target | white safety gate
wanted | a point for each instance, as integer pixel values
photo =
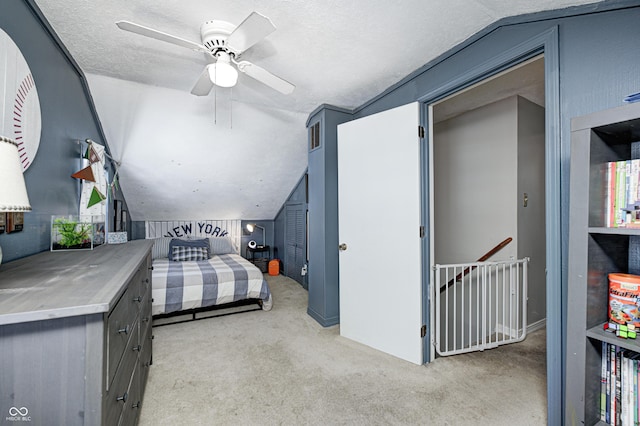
(479, 305)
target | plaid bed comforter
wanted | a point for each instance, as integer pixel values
(222, 279)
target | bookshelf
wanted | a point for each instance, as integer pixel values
(595, 251)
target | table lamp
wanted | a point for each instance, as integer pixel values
(252, 226)
(13, 191)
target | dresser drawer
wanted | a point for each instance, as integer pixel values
(145, 285)
(131, 409)
(145, 316)
(141, 283)
(119, 394)
(137, 284)
(121, 324)
(146, 276)
(146, 358)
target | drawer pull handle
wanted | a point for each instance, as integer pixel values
(137, 299)
(137, 348)
(123, 398)
(124, 330)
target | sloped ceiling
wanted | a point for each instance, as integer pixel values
(238, 153)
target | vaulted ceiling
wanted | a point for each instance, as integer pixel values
(238, 152)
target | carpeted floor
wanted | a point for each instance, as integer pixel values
(283, 368)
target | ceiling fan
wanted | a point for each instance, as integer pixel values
(225, 43)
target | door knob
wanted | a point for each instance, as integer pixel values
(342, 247)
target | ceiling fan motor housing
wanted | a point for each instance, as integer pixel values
(214, 35)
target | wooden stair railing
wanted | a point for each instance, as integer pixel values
(486, 256)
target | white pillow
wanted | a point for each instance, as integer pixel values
(160, 248)
(222, 245)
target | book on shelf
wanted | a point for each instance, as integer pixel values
(620, 201)
(621, 194)
(619, 397)
(610, 198)
(605, 384)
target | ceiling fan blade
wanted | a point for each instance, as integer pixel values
(266, 77)
(203, 85)
(159, 35)
(250, 31)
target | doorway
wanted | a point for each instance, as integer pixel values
(487, 181)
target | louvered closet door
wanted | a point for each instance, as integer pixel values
(295, 244)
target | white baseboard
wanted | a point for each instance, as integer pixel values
(512, 332)
(540, 324)
(504, 330)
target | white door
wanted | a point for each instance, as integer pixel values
(379, 222)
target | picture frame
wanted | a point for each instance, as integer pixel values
(14, 222)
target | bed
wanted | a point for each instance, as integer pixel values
(193, 274)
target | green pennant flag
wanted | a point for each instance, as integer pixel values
(95, 198)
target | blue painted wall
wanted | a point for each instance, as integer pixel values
(257, 236)
(138, 230)
(324, 273)
(67, 116)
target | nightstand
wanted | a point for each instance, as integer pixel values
(261, 262)
(251, 252)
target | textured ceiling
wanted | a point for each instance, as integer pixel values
(336, 52)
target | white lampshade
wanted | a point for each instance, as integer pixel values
(13, 191)
(222, 73)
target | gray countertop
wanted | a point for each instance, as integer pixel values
(62, 284)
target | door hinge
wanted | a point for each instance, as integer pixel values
(422, 231)
(423, 330)
(420, 132)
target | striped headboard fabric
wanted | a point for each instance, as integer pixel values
(196, 229)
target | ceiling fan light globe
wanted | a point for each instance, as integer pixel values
(223, 74)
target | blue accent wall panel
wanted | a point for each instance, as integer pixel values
(324, 273)
(278, 235)
(317, 232)
(67, 116)
(257, 237)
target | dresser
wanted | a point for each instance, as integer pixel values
(75, 336)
